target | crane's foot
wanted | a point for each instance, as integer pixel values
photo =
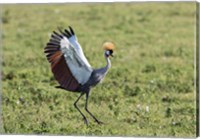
(85, 121)
(99, 122)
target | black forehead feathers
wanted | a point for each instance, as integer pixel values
(111, 51)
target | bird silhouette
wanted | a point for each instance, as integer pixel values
(71, 68)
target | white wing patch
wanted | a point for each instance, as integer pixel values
(64, 43)
(74, 41)
(75, 59)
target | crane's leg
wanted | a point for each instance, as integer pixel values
(84, 118)
(86, 104)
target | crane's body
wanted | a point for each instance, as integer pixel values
(98, 74)
(70, 67)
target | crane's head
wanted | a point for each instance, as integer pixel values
(108, 47)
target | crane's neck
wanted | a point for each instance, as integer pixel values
(108, 65)
(102, 71)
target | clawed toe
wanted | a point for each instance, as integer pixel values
(99, 122)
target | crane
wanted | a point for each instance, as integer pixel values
(71, 68)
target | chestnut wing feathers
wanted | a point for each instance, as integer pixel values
(68, 63)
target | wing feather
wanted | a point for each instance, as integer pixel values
(74, 42)
(74, 56)
(59, 67)
(68, 62)
(71, 30)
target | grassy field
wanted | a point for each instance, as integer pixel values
(149, 90)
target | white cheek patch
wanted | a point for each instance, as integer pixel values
(107, 52)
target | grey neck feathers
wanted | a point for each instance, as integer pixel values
(104, 70)
(108, 65)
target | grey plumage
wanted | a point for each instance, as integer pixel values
(98, 74)
(95, 78)
(70, 67)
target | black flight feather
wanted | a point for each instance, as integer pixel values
(57, 34)
(69, 34)
(71, 30)
(63, 33)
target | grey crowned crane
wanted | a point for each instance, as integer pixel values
(70, 67)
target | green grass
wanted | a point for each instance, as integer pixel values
(149, 90)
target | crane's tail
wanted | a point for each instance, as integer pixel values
(60, 87)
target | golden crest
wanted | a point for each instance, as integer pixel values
(108, 46)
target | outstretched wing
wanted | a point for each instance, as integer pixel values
(68, 63)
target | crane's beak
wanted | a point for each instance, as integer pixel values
(112, 55)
